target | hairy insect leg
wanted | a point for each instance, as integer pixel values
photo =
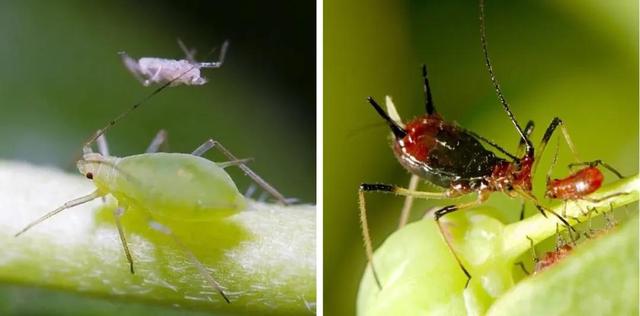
(384, 188)
(528, 196)
(158, 141)
(596, 163)
(254, 176)
(203, 271)
(450, 209)
(70, 204)
(117, 213)
(217, 64)
(408, 202)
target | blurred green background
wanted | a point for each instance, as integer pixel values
(574, 59)
(61, 79)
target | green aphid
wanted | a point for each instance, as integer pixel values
(172, 186)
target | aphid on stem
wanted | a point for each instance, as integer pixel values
(168, 186)
(580, 183)
(454, 158)
(153, 70)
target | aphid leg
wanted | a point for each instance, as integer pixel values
(384, 188)
(522, 207)
(255, 177)
(530, 197)
(547, 135)
(133, 66)
(524, 269)
(103, 147)
(450, 209)
(158, 141)
(250, 191)
(117, 213)
(533, 250)
(70, 204)
(203, 271)
(408, 202)
(217, 64)
(262, 197)
(190, 54)
(596, 163)
(606, 197)
(233, 163)
(154, 77)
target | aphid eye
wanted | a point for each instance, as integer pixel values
(89, 175)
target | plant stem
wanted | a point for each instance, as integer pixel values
(539, 228)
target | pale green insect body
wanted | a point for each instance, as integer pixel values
(168, 185)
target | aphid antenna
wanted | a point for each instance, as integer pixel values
(87, 146)
(496, 85)
(396, 129)
(70, 204)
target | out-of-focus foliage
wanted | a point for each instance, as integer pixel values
(572, 59)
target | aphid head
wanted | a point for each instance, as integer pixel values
(89, 164)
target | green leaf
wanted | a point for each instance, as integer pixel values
(599, 278)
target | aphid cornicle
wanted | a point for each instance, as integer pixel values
(152, 70)
(453, 158)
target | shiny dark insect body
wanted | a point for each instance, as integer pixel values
(454, 158)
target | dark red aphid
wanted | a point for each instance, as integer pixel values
(580, 183)
(575, 186)
(552, 257)
(454, 158)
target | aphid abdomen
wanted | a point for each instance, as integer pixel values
(577, 185)
(443, 153)
(159, 70)
(175, 186)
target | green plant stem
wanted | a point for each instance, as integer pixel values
(539, 228)
(263, 256)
